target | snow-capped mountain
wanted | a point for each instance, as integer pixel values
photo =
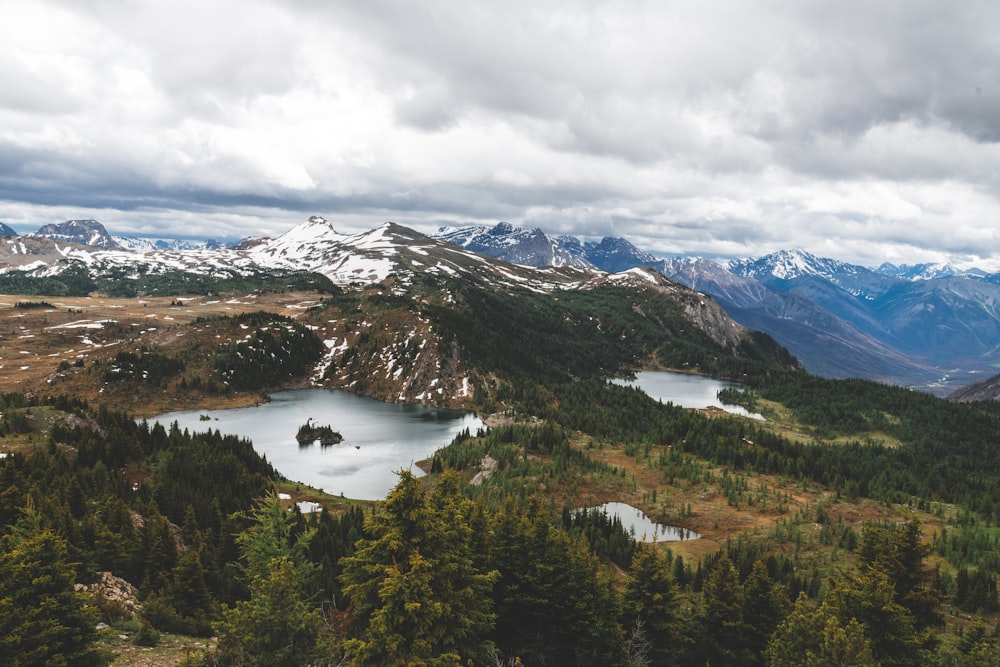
(786, 266)
(6, 231)
(929, 327)
(146, 244)
(315, 246)
(84, 232)
(841, 320)
(532, 247)
(927, 271)
(528, 247)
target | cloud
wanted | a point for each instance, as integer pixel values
(717, 128)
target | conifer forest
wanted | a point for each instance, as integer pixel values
(855, 524)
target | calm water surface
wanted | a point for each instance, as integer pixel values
(687, 391)
(642, 528)
(380, 439)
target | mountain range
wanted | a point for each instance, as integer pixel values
(930, 327)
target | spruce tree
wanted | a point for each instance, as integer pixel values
(42, 620)
(275, 627)
(724, 634)
(811, 637)
(417, 596)
(649, 606)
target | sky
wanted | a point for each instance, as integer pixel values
(862, 131)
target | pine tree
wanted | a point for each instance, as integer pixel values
(42, 620)
(724, 634)
(417, 596)
(810, 637)
(273, 535)
(275, 627)
(554, 604)
(648, 603)
(765, 604)
(870, 600)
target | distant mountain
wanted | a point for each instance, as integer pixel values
(784, 266)
(535, 248)
(927, 326)
(984, 390)
(528, 247)
(401, 259)
(927, 271)
(145, 244)
(84, 232)
(617, 254)
(6, 231)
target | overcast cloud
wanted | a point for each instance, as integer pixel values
(864, 131)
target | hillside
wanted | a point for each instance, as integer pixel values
(394, 313)
(854, 507)
(929, 327)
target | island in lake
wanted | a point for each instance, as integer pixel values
(310, 433)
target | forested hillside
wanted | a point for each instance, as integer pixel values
(856, 525)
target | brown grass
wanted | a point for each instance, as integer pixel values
(34, 342)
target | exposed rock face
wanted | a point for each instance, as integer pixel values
(84, 232)
(527, 247)
(115, 597)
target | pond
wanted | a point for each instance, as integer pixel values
(642, 528)
(380, 439)
(686, 390)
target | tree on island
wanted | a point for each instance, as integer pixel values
(309, 433)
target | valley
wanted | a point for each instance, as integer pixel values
(794, 511)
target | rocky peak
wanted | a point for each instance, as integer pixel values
(84, 232)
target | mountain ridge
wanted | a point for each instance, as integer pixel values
(844, 320)
(927, 327)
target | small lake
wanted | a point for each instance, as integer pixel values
(685, 390)
(642, 528)
(380, 439)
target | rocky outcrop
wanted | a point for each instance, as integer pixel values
(116, 598)
(84, 232)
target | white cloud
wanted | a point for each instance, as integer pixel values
(716, 128)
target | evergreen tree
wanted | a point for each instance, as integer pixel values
(810, 637)
(554, 604)
(649, 605)
(42, 620)
(185, 604)
(417, 597)
(899, 552)
(765, 604)
(723, 632)
(273, 535)
(870, 600)
(275, 627)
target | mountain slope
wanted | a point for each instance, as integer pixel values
(900, 325)
(513, 244)
(414, 315)
(984, 390)
(83, 232)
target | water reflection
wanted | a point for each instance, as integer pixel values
(641, 527)
(380, 439)
(686, 390)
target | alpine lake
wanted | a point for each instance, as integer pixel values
(381, 439)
